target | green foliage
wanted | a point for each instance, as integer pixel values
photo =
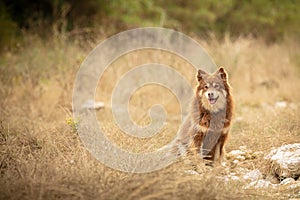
(137, 13)
(8, 27)
(73, 123)
(271, 19)
(265, 18)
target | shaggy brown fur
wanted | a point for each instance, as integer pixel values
(207, 125)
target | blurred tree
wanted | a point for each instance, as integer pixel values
(137, 13)
(8, 28)
(271, 19)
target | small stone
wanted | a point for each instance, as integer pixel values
(192, 172)
(287, 181)
(253, 175)
(285, 160)
(231, 177)
(260, 184)
(235, 162)
(241, 158)
(280, 104)
(235, 178)
(235, 153)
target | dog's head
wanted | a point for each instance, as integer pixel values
(213, 89)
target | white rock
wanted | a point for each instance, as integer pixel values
(260, 184)
(287, 181)
(235, 162)
(280, 104)
(253, 175)
(192, 172)
(241, 158)
(235, 153)
(285, 160)
(231, 177)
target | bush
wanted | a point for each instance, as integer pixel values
(8, 28)
(271, 20)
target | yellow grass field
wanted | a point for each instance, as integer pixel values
(42, 156)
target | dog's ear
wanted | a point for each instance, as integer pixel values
(200, 75)
(222, 73)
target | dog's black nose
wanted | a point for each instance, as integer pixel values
(210, 95)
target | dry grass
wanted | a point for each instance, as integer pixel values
(42, 156)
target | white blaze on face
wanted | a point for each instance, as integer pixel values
(214, 98)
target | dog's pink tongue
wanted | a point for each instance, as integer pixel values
(212, 101)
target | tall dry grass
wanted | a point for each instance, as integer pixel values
(42, 156)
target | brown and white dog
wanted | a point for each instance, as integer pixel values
(207, 125)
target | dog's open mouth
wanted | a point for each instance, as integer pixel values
(213, 100)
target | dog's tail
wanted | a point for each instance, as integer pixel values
(179, 146)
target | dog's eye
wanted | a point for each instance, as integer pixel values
(216, 85)
(206, 87)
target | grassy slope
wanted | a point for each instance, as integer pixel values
(43, 157)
